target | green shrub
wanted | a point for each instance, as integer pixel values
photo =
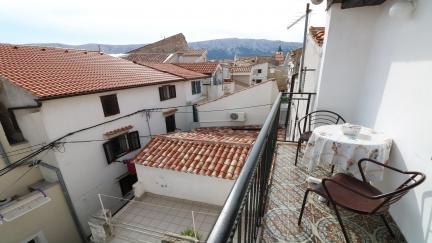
(190, 232)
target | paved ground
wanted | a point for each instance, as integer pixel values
(148, 218)
(319, 224)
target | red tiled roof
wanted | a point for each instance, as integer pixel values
(200, 67)
(244, 69)
(317, 34)
(217, 152)
(176, 70)
(147, 57)
(118, 130)
(56, 72)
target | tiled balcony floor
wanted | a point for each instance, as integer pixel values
(149, 218)
(319, 223)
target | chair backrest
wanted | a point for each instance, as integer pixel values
(318, 118)
(415, 179)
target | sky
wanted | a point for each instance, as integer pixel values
(137, 22)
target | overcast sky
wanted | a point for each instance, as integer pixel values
(144, 21)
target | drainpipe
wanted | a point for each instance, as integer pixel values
(67, 197)
(304, 45)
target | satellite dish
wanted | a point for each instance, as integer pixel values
(316, 2)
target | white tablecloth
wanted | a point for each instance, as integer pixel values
(329, 146)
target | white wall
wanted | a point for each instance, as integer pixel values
(387, 74)
(206, 189)
(83, 165)
(264, 71)
(258, 98)
(346, 50)
(312, 60)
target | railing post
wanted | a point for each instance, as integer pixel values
(307, 111)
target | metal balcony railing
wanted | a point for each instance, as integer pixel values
(242, 213)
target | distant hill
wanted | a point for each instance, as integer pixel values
(217, 49)
(228, 48)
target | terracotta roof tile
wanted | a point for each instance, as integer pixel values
(147, 57)
(317, 34)
(176, 70)
(200, 67)
(56, 72)
(118, 130)
(244, 69)
(217, 152)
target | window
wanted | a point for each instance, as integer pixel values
(196, 87)
(110, 105)
(170, 123)
(121, 145)
(258, 81)
(126, 182)
(259, 70)
(167, 92)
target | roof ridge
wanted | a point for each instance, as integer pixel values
(205, 141)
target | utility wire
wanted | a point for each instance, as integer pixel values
(51, 144)
(17, 150)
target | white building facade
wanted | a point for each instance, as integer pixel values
(375, 72)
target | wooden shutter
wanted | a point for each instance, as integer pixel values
(110, 156)
(110, 105)
(161, 94)
(172, 91)
(198, 88)
(170, 123)
(195, 113)
(133, 140)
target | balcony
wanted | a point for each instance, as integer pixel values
(266, 199)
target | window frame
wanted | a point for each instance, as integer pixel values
(132, 143)
(107, 105)
(196, 87)
(167, 92)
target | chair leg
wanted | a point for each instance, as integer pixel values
(298, 149)
(332, 170)
(340, 222)
(388, 226)
(303, 206)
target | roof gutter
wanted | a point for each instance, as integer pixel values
(67, 198)
(38, 105)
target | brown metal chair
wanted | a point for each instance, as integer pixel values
(359, 196)
(312, 120)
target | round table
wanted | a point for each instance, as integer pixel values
(329, 146)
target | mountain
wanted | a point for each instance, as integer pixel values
(228, 48)
(217, 49)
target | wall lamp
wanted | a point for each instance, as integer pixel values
(402, 9)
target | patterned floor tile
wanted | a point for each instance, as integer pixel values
(319, 223)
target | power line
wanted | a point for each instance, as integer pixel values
(51, 144)
(16, 150)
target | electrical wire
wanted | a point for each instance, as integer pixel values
(16, 150)
(51, 144)
(13, 183)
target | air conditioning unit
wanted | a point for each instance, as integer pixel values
(237, 116)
